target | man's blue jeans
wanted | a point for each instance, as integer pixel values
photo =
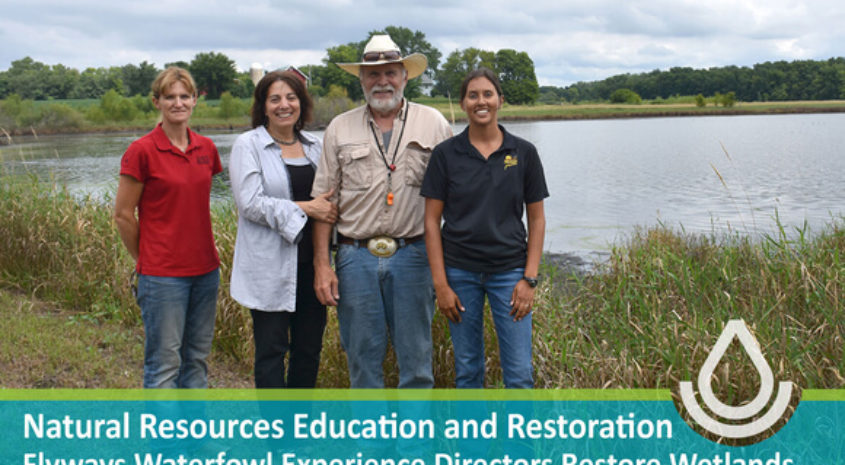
(468, 335)
(380, 298)
(178, 315)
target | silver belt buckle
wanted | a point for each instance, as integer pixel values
(382, 246)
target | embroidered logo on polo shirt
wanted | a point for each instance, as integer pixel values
(510, 160)
(203, 160)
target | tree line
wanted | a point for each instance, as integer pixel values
(33, 80)
(215, 74)
(769, 81)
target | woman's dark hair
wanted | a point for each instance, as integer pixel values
(481, 72)
(259, 98)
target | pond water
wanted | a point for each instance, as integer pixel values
(606, 177)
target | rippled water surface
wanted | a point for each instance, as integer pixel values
(606, 177)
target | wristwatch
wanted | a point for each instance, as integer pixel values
(531, 281)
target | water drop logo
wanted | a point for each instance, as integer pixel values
(740, 422)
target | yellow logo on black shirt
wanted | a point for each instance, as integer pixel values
(510, 160)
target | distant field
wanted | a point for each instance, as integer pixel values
(647, 108)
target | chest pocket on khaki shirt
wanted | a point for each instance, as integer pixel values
(418, 158)
(355, 161)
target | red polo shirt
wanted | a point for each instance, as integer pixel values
(174, 216)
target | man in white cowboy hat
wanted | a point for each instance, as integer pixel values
(374, 159)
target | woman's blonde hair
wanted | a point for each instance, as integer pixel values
(171, 75)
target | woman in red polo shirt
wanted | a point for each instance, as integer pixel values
(166, 177)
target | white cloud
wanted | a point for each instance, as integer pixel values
(569, 40)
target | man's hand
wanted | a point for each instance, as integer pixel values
(325, 285)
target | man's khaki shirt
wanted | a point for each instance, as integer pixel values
(352, 165)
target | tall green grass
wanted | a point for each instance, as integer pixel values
(646, 319)
(651, 315)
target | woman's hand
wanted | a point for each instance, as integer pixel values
(321, 208)
(449, 303)
(522, 300)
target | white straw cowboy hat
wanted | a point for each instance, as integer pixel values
(382, 50)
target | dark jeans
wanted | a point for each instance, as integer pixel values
(306, 325)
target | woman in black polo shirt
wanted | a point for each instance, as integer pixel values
(479, 183)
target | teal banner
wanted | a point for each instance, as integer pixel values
(331, 427)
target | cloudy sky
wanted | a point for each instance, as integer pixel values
(569, 40)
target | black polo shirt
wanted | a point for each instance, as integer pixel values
(484, 200)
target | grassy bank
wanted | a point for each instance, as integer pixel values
(646, 320)
(47, 346)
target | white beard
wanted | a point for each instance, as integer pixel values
(384, 105)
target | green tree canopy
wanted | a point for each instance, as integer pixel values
(214, 73)
(333, 75)
(95, 82)
(138, 79)
(516, 73)
(456, 67)
(515, 70)
(779, 80)
(28, 79)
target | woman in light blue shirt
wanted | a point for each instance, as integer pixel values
(272, 168)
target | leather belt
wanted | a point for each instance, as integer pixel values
(380, 246)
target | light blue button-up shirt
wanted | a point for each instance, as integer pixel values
(269, 222)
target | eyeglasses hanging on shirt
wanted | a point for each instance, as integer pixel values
(391, 166)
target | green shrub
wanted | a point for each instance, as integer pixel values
(326, 108)
(144, 104)
(57, 115)
(231, 107)
(21, 112)
(625, 96)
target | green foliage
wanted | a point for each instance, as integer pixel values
(625, 96)
(213, 72)
(114, 107)
(65, 247)
(94, 82)
(778, 81)
(728, 100)
(138, 79)
(203, 109)
(337, 92)
(769, 81)
(332, 74)
(550, 95)
(17, 113)
(457, 65)
(144, 104)
(516, 73)
(647, 317)
(231, 107)
(243, 86)
(118, 108)
(699, 101)
(57, 115)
